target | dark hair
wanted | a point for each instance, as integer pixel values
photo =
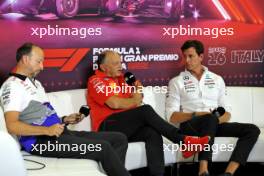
(101, 59)
(104, 55)
(196, 44)
(25, 49)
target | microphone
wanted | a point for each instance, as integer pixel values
(85, 110)
(130, 78)
(218, 112)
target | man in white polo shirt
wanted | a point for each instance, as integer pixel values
(191, 98)
(30, 116)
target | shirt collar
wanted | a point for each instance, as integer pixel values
(120, 79)
(22, 77)
(204, 67)
(99, 73)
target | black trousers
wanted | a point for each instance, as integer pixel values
(144, 124)
(109, 148)
(247, 135)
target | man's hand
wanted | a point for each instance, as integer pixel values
(138, 84)
(138, 96)
(55, 130)
(73, 118)
(116, 102)
(179, 117)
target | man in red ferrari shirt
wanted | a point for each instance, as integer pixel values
(113, 109)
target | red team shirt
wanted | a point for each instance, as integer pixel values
(98, 95)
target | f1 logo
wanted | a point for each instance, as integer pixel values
(65, 59)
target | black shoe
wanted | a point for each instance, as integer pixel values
(226, 174)
(205, 174)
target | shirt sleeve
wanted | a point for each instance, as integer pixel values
(223, 99)
(172, 99)
(99, 90)
(12, 97)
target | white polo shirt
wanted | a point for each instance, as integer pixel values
(187, 94)
(18, 91)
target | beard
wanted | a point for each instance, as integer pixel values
(34, 74)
